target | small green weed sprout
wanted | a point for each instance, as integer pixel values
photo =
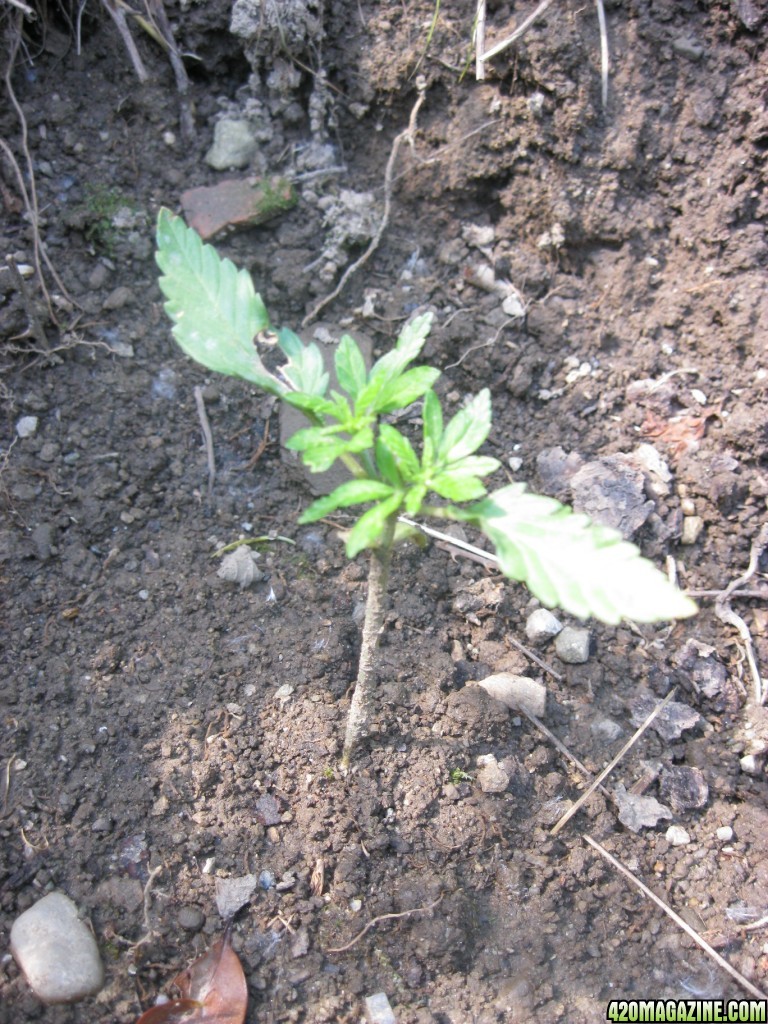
(564, 559)
(457, 775)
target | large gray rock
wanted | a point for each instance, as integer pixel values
(56, 951)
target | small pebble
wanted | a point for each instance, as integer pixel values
(520, 693)
(191, 918)
(724, 834)
(491, 777)
(118, 298)
(26, 426)
(677, 836)
(692, 527)
(752, 764)
(56, 951)
(572, 645)
(378, 1010)
(541, 626)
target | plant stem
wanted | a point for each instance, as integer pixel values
(375, 610)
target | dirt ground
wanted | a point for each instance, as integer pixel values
(163, 729)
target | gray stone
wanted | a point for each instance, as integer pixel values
(519, 693)
(118, 298)
(378, 1010)
(190, 918)
(234, 145)
(572, 645)
(541, 626)
(26, 426)
(491, 777)
(56, 951)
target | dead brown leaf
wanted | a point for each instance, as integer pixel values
(682, 433)
(213, 991)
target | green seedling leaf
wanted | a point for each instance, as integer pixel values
(213, 305)
(406, 459)
(370, 526)
(321, 446)
(392, 364)
(305, 368)
(467, 430)
(433, 419)
(457, 487)
(404, 389)
(351, 371)
(568, 561)
(353, 492)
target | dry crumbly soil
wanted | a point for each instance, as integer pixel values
(155, 716)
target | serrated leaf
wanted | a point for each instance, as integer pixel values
(467, 430)
(370, 525)
(405, 457)
(406, 388)
(474, 465)
(321, 446)
(392, 364)
(311, 404)
(570, 562)
(352, 492)
(457, 487)
(305, 368)
(414, 499)
(387, 464)
(433, 419)
(213, 305)
(351, 371)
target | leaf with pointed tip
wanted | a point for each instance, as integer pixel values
(352, 492)
(305, 368)
(351, 371)
(370, 526)
(467, 430)
(405, 457)
(408, 387)
(213, 305)
(568, 561)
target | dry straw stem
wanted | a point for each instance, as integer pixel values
(523, 28)
(205, 426)
(407, 134)
(609, 768)
(384, 917)
(747, 985)
(727, 615)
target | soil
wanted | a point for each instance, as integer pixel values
(156, 716)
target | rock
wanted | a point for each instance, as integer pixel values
(26, 426)
(752, 764)
(611, 490)
(520, 693)
(378, 1010)
(572, 645)
(669, 723)
(234, 145)
(605, 729)
(491, 777)
(724, 833)
(688, 47)
(636, 811)
(118, 298)
(236, 203)
(190, 918)
(692, 527)
(683, 788)
(234, 893)
(56, 951)
(541, 626)
(677, 836)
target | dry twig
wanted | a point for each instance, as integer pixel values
(406, 135)
(727, 615)
(384, 917)
(609, 767)
(677, 919)
(205, 426)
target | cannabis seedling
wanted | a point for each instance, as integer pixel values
(564, 559)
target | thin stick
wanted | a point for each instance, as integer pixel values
(727, 615)
(207, 437)
(539, 661)
(604, 58)
(564, 750)
(384, 917)
(35, 325)
(116, 12)
(677, 919)
(476, 554)
(519, 31)
(480, 41)
(609, 768)
(408, 133)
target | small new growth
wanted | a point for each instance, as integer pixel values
(563, 558)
